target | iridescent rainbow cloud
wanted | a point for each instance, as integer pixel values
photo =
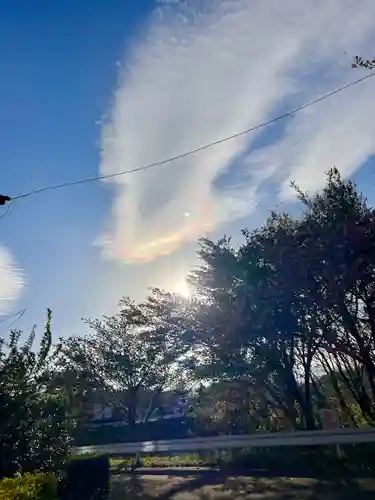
(166, 244)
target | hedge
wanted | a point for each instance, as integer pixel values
(29, 487)
(86, 478)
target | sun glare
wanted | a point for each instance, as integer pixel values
(182, 289)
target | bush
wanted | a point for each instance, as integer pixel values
(29, 487)
(34, 423)
(185, 460)
(86, 478)
(360, 458)
(299, 460)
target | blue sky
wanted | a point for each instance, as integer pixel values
(95, 87)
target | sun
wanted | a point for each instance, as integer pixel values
(182, 288)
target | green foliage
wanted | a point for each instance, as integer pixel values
(185, 460)
(29, 487)
(34, 430)
(359, 62)
(286, 322)
(358, 461)
(131, 356)
(86, 478)
(79, 391)
(280, 327)
(188, 459)
(360, 458)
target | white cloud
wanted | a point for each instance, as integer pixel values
(206, 69)
(342, 133)
(10, 281)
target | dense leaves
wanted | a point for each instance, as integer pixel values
(292, 309)
(359, 62)
(132, 357)
(34, 429)
(86, 477)
(277, 329)
(29, 487)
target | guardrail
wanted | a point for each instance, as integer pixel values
(217, 443)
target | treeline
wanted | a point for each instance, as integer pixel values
(281, 327)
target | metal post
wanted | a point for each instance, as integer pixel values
(339, 452)
(218, 457)
(137, 461)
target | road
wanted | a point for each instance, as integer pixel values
(213, 485)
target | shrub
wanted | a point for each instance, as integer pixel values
(86, 478)
(187, 459)
(360, 457)
(34, 423)
(184, 460)
(29, 487)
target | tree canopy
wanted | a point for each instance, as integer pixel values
(280, 327)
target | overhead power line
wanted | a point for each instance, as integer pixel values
(198, 149)
(7, 211)
(18, 315)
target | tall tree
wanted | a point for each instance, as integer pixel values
(295, 300)
(340, 227)
(131, 354)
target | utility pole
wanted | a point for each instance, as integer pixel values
(4, 199)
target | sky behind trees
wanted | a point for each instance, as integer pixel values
(106, 86)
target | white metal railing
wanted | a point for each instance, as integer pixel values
(298, 438)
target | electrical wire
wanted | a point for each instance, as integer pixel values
(7, 211)
(18, 315)
(198, 149)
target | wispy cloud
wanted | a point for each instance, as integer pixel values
(11, 281)
(206, 69)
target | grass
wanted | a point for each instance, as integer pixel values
(188, 459)
(359, 461)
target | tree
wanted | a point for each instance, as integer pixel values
(280, 326)
(34, 428)
(79, 390)
(295, 300)
(132, 355)
(359, 62)
(340, 225)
